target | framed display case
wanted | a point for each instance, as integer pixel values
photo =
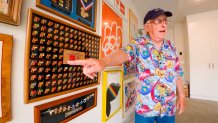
(5, 74)
(111, 93)
(111, 31)
(10, 11)
(66, 109)
(130, 70)
(49, 43)
(133, 25)
(82, 12)
(129, 95)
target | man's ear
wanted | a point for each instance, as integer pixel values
(146, 28)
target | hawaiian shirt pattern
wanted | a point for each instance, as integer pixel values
(158, 71)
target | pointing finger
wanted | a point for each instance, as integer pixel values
(77, 62)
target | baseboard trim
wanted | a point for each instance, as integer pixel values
(194, 96)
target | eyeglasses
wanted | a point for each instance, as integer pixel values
(159, 21)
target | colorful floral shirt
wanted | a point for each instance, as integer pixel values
(158, 71)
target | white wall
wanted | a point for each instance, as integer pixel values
(170, 35)
(180, 35)
(23, 113)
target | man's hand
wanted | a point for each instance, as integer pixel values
(180, 104)
(90, 66)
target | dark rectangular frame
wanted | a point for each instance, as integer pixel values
(74, 17)
(90, 37)
(50, 105)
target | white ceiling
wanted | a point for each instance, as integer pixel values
(179, 8)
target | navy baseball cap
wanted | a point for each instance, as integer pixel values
(154, 13)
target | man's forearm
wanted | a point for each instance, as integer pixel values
(179, 87)
(116, 59)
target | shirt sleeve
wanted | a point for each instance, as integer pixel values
(178, 67)
(131, 50)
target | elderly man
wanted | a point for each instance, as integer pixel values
(158, 67)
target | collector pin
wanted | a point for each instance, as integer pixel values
(41, 69)
(40, 77)
(61, 51)
(54, 76)
(55, 43)
(34, 48)
(42, 41)
(41, 48)
(69, 85)
(33, 70)
(33, 62)
(47, 90)
(48, 56)
(47, 83)
(47, 77)
(54, 56)
(33, 85)
(54, 82)
(60, 76)
(33, 55)
(55, 50)
(53, 89)
(36, 19)
(61, 44)
(73, 85)
(40, 90)
(44, 21)
(67, 29)
(35, 26)
(59, 88)
(60, 62)
(56, 37)
(60, 81)
(42, 34)
(43, 28)
(60, 69)
(61, 27)
(54, 69)
(35, 39)
(41, 55)
(50, 23)
(49, 42)
(56, 31)
(47, 63)
(40, 84)
(49, 35)
(56, 25)
(64, 87)
(35, 33)
(33, 93)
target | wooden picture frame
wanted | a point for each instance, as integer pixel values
(129, 95)
(133, 25)
(10, 11)
(66, 109)
(5, 73)
(80, 12)
(46, 75)
(111, 92)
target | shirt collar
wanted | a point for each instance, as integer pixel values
(148, 38)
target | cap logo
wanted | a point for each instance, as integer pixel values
(158, 9)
